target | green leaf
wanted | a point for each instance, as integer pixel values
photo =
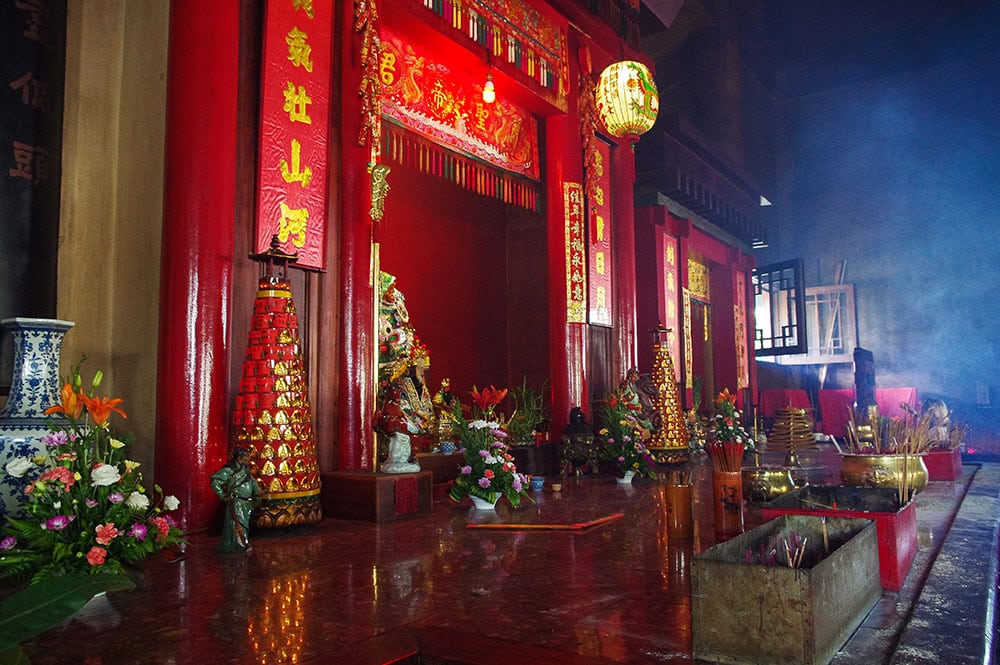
(39, 607)
(13, 656)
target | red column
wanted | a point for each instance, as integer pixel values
(623, 202)
(357, 332)
(567, 341)
(197, 253)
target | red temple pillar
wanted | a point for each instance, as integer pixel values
(567, 341)
(355, 446)
(623, 202)
(199, 196)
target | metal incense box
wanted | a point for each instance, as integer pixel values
(757, 614)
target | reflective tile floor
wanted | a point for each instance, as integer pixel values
(432, 590)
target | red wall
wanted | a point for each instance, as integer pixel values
(472, 270)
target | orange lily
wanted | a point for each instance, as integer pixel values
(725, 396)
(100, 408)
(71, 405)
(488, 398)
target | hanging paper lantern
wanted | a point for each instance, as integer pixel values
(626, 98)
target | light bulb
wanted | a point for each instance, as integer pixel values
(489, 92)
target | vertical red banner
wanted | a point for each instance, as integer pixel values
(576, 256)
(599, 264)
(671, 295)
(295, 103)
(742, 344)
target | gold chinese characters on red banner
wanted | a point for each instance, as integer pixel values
(599, 239)
(424, 95)
(576, 256)
(295, 100)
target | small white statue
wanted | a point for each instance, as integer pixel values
(399, 455)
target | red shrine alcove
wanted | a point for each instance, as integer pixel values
(473, 271)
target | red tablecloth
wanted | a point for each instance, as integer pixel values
(835, 410)
(889, 401)
(835, 406)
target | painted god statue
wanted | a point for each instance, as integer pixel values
(405, 412)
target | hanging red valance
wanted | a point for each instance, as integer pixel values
(430, 98)
(405, 148)
(522, 33)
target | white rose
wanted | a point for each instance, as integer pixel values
(103, 475)
(171, 503)
(137, 501)
(18, 466)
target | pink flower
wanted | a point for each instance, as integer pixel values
(106, 533)
(90, 502)
(7, 543)
(484, 482)
(138, 531)
(58, 522)
(54, 439)
(488, 473)
(466, 470)
(96, 555)
(116, 497)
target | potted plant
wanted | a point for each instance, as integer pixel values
(487, 470)
(88, 514)
(529, 413)
(622, 449)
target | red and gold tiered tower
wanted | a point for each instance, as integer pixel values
(272, 415)
(669, 444)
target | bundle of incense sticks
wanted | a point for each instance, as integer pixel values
(769, 554)
(679, 477)
(726, 455)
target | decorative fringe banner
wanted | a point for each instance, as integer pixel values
(407, 149)
(502, 27)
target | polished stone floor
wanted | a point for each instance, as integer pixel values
(429, 589)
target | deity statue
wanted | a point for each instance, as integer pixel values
(238, 489)
(395, 336)
(406, 410)
(405, 407)
(638, 391)
(445, 403)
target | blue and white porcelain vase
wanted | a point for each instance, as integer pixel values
(34, 387)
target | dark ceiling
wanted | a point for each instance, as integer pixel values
(812, 45)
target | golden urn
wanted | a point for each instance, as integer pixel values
(766, 483)
(889, 471)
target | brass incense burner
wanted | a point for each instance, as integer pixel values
(890, 471)
(766, 483)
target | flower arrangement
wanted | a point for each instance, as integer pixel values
(487, 470)
(725, 425)
(622, 449)
(88, 510)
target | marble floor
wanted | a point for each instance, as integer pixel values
(429, 589)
